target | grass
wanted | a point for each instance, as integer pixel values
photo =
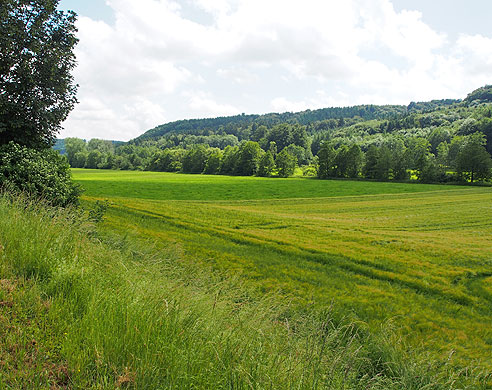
(171, 186)
(81, 311)
(416, 255)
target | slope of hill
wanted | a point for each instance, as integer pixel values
(193, 126)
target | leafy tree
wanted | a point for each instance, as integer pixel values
(384, 163)
(442, 154)
(229, 160)
(370, 168)
(266, 165)
(99, 144)
(485, 126)
(286, 163)
(427, 169)
(469, 126)
(483, 94)
(355, 159)
(399, 162)
(454, 149)
(473, 162)
(299, 152)
(168, 160)
(417, 149)
(437, 136)
(272, 147)
(282, 136)
(72, 147)
(79, 159)
(258, 132)
(341, 161)
(212, 165)
(326, 160)
(36, 59)
(44, 174)
(195, 159)
(248, 158)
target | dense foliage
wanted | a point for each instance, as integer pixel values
(36, 94)
(43, 174)
(36, 59)
(437, 141)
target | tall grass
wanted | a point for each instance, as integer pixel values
(119, 314)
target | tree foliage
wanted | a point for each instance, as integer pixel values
(37, 90)
(473, 162)
(44, 174)
(286, 163)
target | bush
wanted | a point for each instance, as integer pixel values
(43, 174)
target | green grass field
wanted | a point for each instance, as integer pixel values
(418, 257)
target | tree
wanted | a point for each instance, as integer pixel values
(248, 158)
(341, 161)
(370, 167)
(427, 169)
(473, 162)
(212, 165)
(326, 159)
(40, 173)
(266, 165)
(384, 163)
(229, 160)
(195, 159)
(286, 163)
(74, 146)
(36, 59)
(355, 159)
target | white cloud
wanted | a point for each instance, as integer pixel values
(258, 56)
(203, 104)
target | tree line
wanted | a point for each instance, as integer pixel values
(460, 158)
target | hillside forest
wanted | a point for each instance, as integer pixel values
(437, 141)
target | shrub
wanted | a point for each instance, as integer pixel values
(43, 174)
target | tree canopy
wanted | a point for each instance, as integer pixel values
(37, 90)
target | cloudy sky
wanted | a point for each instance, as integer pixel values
(142, 63)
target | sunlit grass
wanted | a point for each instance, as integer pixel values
(419, 255)
(84, 311)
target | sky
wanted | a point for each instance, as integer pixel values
(148, 62)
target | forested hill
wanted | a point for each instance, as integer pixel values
(228, 125)
(440, 140)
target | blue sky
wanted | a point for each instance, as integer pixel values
(147, 62)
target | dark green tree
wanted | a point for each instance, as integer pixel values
(355, 159)
(248, 159)
(229, 160)
(72, 147)
(195, 159)
(427, 169)
(37, 90)
(326, 160)
(286, 163)
(370, 168)
(266, 165)
(384, 163)
(212, 165)
(342, 161)
(473, 162)
(40, 173)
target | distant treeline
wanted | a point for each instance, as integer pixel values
(436, 141)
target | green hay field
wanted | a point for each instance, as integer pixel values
(418, 257)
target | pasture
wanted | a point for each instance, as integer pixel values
(414, 257)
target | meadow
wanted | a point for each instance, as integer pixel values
(416, 258)
(84, 310)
